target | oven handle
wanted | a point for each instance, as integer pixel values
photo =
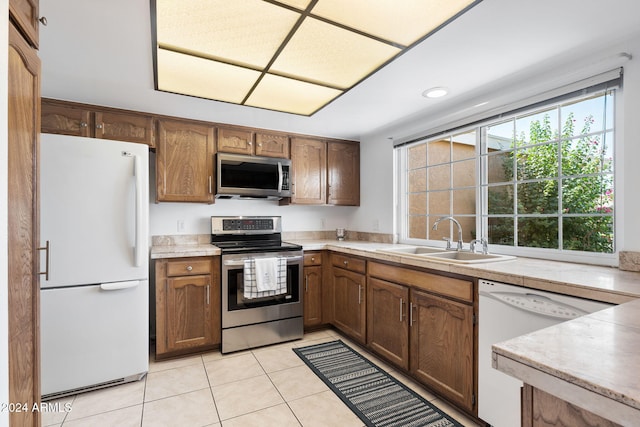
(240, 262)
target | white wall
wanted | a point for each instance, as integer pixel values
(4, 322)
(377, 160)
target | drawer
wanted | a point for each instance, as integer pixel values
(443, 285)
(349, 263)
(188, 266)
(314, 258)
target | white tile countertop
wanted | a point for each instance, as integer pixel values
(591, 362)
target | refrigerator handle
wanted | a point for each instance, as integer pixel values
(139, 249)
(116, 286)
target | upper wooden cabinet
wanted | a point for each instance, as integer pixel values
(237, 141)
(80, 120)
(309, 175)
(184, 162)
(272, 145)
(343, 173)
(25, 14)
(243, 141)
(325, 172)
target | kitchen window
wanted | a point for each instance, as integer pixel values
(537, 182)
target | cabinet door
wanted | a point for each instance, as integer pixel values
(387, 324)
(235, 141)
(312, 299)
(349, 307)
(124, 127)
(65, 120)
(442, 346)
(309, 160)
(188, 312)
(23, 284)
(343, 164)
(272, 145)
(26, 13)
(184, 162)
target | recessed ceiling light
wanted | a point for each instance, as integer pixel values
(435, 92)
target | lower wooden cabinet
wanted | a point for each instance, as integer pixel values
(442, 350)
(423, 323)
(187, 305)
(312, 298)
(541, 409)
(387, 322)
(349, 296)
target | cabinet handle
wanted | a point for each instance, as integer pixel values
(210, 184)
(83, 124)
(189, 268)
(208, 286)
(359, 294)
(401, 303)
(99, 126)
(43, 20)
(45, 248)
(411, 306)
(306, 282)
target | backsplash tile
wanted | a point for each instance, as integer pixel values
(629, 261)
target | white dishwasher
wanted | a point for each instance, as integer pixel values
(505, 312)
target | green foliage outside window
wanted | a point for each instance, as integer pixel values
(559, 179)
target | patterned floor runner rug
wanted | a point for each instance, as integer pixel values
(373, 395)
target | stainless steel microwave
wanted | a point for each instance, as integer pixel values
(252, 177)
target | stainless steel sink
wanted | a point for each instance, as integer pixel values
(414, 250)
(468, 257)
(442, 255)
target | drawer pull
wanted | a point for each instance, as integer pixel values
(346, 262)
(189, 268)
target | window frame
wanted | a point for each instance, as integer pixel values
(401, 222)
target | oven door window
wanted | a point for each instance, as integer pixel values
(236, 298)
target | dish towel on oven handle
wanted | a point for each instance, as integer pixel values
(265, 277)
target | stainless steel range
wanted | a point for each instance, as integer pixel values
(261, 282)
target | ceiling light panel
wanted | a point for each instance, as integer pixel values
(203, 78)
(298, 4)
(326, 54)
(292, 96)
(402, 22)
(241, 32)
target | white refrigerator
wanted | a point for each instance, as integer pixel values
(94, 301)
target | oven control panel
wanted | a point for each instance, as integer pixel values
(245, 224)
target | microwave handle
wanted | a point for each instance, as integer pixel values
(279, 177)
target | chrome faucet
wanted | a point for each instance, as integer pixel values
(452, 219)
(483, 242)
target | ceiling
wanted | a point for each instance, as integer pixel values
(297, 56)
(101, 53)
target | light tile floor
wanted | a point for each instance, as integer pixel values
(268, 386)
